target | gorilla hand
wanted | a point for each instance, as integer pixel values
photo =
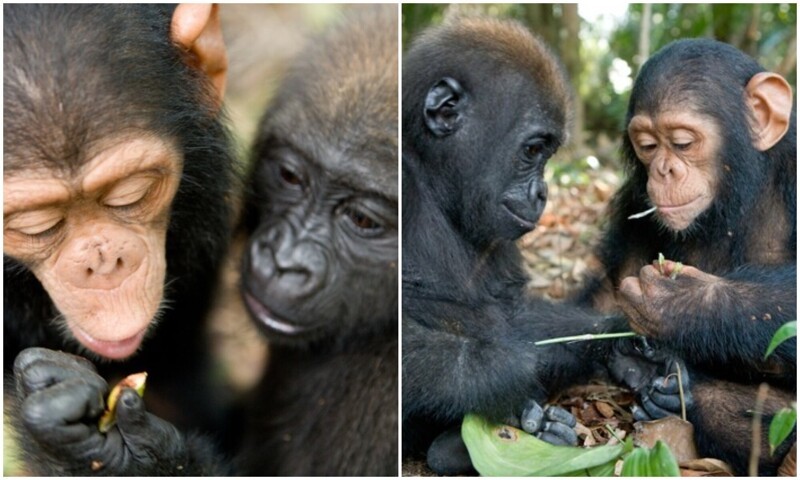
(61, 398)
(552, 424)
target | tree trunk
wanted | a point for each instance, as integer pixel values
(570, 48)
(644, 36)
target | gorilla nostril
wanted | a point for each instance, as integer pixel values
(119, 263)
(89, 271)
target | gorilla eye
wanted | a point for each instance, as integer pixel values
(682, 146)
(534, 149)
(540, 147)
(361, 220)
(290, 177)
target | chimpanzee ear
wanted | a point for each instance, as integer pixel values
(196, 28)
(444, 107)
(770, 98)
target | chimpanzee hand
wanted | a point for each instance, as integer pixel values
(652, 301)
(61, 398)
(654, 379)
(552, 424)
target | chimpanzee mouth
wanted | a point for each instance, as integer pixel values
(268, 318)
(675, 208)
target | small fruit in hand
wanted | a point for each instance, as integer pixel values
(109, 418)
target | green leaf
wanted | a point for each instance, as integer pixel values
(781, 427)
(500, 450)
(787, 331)
(663, 462)
(636, 464)
(655, 462)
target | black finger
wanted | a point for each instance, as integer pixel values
(672, 369)
(131, 414)
(41, 374)
(558, 414)
(640, 414)
(141, 430)
(562, 431)
(665, 385)
(61, 409)
(552, 439)
(652, 408)
(532, 416)
(670, 403)
(34, 354)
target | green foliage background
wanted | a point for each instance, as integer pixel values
(590, 50)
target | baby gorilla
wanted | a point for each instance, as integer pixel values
(484, 107)
(320, 274)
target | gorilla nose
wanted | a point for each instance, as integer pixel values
(285, 268)
(301, 269)
(537, 195)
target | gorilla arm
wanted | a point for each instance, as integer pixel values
(451, 370)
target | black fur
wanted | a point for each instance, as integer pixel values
(468, 324)
(323, 259)
(99, 70)
(724, 338)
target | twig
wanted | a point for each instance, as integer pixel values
(642, 214)
(585, 337)
(755, 451)
(680, 392)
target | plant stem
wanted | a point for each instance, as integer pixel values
(585, 337)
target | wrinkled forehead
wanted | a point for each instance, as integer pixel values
(362, 172)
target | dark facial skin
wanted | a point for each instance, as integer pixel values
(514, 150)
(323, 232)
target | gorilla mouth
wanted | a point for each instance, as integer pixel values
(527, 223)
(268, 318)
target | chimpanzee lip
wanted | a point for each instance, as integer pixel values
(111, 349)
(268, 318)
(672, 208)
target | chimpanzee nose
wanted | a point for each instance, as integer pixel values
(101, 261)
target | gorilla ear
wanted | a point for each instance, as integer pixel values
(444, 106)
(770, 98)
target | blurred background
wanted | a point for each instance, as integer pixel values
(602, 46)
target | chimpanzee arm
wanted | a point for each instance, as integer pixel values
(59, 401)
(714, 321)
(723, 421)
